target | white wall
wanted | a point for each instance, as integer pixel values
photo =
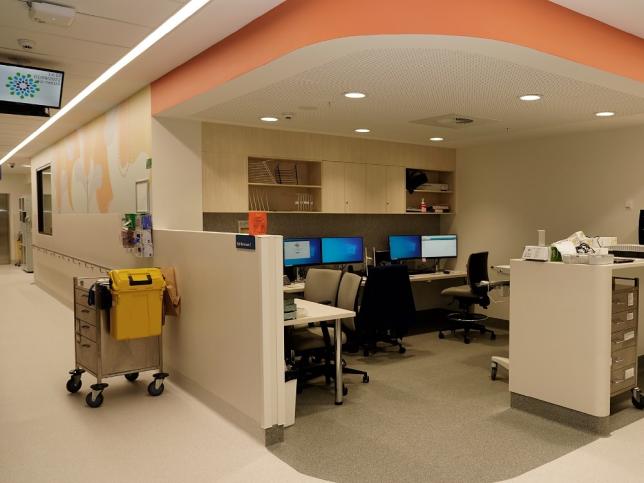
(227, 346)
(177, 171)
(506, 192)
(15, 185)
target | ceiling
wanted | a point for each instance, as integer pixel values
(74, 53)
(102, 32)
(408, 84)
(626, 15)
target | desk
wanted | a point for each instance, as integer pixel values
(563, 321)
(308, 312)
(298, 287)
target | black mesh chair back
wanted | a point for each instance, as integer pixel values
(476, 273)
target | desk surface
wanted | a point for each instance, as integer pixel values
(298, 287)
(308, 312)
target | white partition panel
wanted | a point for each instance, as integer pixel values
(227, 346)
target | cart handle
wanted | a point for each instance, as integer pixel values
(148, 280)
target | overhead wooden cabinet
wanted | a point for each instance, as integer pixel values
(376, 195)
(355, 187)
(333, 187)
(395, 189)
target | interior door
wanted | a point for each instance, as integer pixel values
(5, 242)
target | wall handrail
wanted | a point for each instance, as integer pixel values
(73, 259)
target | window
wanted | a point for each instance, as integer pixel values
(43, 179)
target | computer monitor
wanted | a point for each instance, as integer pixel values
(404, 247)
(439, 246)
(348, 249)
(299, 252)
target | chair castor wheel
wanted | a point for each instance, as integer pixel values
(493, 372)
(73, 385)
(492, 336)
(365, 379)
(153, 390)
(637, 399)
(345, 390)
(402, 350)
(365, 353)
(466, 340)
(94, 403)
(482, 331)
(132, 376)
(441, 335)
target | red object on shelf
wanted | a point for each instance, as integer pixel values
(257, 223)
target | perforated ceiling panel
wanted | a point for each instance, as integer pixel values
(405, 85)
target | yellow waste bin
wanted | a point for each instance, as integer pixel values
(137, 299)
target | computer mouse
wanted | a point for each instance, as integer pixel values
(446, 271)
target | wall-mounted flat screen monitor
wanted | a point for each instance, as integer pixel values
(342, 249)
(404, 247)
(439, 246)
(299, 252)
(28, 85)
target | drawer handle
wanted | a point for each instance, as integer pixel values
(618, 381)
(618, 361)
(85, 345)
(84, 326)
(85, 311)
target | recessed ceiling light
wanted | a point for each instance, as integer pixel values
(268, 119)
(436, 139)
(530, 97)
(26, 165)
(363, 130)
(355, 95)
(605, 114)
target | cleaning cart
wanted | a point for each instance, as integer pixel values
(118, 324)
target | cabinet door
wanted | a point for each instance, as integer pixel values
(396, 189)
(332, 187)
(355, 187)
(376, 195)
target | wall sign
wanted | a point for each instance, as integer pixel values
(245, 242)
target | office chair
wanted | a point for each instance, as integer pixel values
(387, 307)
(467, 296)
(321, 285)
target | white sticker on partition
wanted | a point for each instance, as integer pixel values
(629, 335)
(628, 373)
(630, 315)
(631, 299)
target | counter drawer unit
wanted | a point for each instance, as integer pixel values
(86, 314)
(87, 353)
(82, 296)
(624, 358)
(623, 339)
(624, 320)
(87, 330)
(622, 379)
(624, 299)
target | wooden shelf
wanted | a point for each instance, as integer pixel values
(429, 213)
(437, 192)
(278, 185)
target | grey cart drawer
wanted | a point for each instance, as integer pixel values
(623, 339)
(87, 353)
(86, 330)
(622, 379)
(81, 297)
(624, 300)
(86, 314)
(624, 320)
(625, 357)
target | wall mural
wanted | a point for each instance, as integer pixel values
(97, 166)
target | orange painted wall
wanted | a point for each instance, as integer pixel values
(537, 24)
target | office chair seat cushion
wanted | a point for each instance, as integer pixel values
(462, 291)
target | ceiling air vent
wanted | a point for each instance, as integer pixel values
(453, 121)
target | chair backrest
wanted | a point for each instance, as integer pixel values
(348, 296)
(477, 272)
(387, 301)
(321, 285)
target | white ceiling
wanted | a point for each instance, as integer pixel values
(213, 22)
(626, 15)
(102, 32)
(409, 83)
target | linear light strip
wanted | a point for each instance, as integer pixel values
(164, 29)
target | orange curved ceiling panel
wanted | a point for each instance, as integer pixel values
(536, 24)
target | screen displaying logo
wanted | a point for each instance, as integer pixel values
(26, 85)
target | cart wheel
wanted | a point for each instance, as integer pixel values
(153, 390)
(365, 379)
(441, 335)
(94, 403)
(637, 399)
(132, 376)
(493, 371)
(74, 386)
